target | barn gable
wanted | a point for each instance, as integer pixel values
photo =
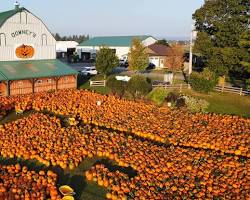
(23, 36)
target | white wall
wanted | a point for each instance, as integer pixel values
(36, 37)
(120, 51)
(149, 41)
(62, 46)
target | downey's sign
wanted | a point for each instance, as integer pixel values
(23, 32)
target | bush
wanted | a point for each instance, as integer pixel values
(139, 86)
(172, 97)
(196, 105)
(98, 77)
(117, 87)
(158, 95)
(204, 81)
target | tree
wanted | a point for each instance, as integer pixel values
(163, 42)
(138, 56)
(220, 24)
(106, 60)
(175, 58)
(245, 63)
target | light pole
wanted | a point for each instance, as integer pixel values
(192, 36)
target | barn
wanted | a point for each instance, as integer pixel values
(120, 44)
(28, 61)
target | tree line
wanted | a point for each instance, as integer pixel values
(76, 38)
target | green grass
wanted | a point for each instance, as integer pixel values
(225, 103)
(101, 90)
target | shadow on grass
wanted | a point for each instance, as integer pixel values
(112, 167)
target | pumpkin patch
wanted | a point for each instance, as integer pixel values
(175, 154)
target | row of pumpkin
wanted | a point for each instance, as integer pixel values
(224, 133)
(161, 172)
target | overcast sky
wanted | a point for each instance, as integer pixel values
(160, 18)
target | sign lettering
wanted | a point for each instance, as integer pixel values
(23, 32)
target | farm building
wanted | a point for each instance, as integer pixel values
(120, 44)
(28, 56)
(65, 49)
(157, 54)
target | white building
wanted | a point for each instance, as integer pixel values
(63, 48)
(120, 44)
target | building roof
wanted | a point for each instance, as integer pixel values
(158, 50)
(19, 70)
(113, 41)
(7, 14)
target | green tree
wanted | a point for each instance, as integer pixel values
(163, 42)
(106, 60)
(245, 63)
(220, 24)
(138, 57)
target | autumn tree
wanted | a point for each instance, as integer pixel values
(175, 58)
(138, 57)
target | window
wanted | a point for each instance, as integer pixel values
(44, 40)
(39, 82)
(66, 79)
(49, 80)
(23, 18)
(20, 83)
(2, 39)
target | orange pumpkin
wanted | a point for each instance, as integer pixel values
(25, 51)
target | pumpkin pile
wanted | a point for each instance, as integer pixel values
(161, 171)
(223, 133)
(18, 182)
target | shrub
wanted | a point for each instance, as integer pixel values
(196, 105)
(157, 95)
(204, 81)
(172, 97)
(98, 77)
(139, 86)
(117, 87)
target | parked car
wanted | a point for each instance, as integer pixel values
(123, 63)
(150, 66)
(89, 71)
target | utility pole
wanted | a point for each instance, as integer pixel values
(190, 68)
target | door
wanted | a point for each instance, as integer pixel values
(161, 63)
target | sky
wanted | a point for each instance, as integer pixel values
(170, 19)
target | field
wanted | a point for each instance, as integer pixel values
(119, 149)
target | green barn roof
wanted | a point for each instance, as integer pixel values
(6, 15)
(120, 41)
(19, 70)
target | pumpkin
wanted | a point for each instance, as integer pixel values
(25, 51)
(66, 190)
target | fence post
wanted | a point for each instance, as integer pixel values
(189, 86)
(90, 83)
(241, 91)
(104, 83)
(222, 88)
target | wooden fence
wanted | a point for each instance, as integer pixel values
(233, 90)
(179, 87)
(97, 83)
(226, 89)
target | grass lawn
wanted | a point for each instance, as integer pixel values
(101, 90)
(225, 103)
